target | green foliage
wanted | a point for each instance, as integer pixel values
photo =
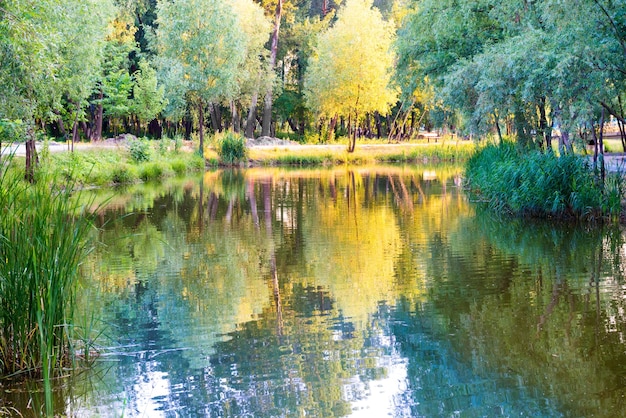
(49, 50)
(200, 47)
(179, 167)
(154, 170)
(124, 174)
(501, 62)
(140, 150)
(107, 167)
(232, 149)
(541, 184)
(148, 96)
(11, 130)
(178, 143)
(43, 241)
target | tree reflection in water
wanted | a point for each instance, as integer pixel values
(336, 292)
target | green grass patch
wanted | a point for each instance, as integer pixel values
(366, 153)
(105, 167)
(155, 170)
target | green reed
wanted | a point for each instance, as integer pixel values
(541, 184)
(43, 236)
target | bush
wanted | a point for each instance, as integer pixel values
(232, 149)
(123, 174)
(139, 150)
(179, 166)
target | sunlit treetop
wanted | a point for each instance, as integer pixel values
(350, 72)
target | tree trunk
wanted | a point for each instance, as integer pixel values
(188, 127)
(75, 127)
(622, 134)
(331, 128)
(62, 128)
(235, 117)
(497, 123)
(201, 126)
(96, 133)
(74, 135)
(31, 156)
(598, 148)
(408, 113)
(292, 125)
(565, 144)
(155, 129)
(267, 109)
(216, 117)
(251, 120)
(620, 123)
(379, 128)
(352, 143)
(545, 130)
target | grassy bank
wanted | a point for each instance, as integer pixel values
(365, 154)
(536, 184)
(142, 160)
(106, 165)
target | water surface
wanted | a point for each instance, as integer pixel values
(344, 292)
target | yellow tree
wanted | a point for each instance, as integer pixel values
(350, 72)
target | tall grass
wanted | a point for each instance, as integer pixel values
(532, 183)
(231, 148)
(42, 243)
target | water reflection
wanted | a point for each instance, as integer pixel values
(345, 292)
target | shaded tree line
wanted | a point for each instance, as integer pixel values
(320, 68)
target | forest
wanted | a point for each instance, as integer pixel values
(312, 69)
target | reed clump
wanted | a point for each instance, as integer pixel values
(43, 235)
(541, 184)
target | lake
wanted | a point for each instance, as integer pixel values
(375, 291)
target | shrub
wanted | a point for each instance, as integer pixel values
(163, 145)
(139, 150)
(179, 166)
(123, 174)
(178, 143)
(232, 149)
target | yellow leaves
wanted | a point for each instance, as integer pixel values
(351, 70)
(122, 31)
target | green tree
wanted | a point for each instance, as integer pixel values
(148, 97)
(530, 65)
(254, 75)
(350, 74)
(203, 39)
(114, 84)
(267, 109)
(49, 51)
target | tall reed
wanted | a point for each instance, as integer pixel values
(536, 184)
(42, 243)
